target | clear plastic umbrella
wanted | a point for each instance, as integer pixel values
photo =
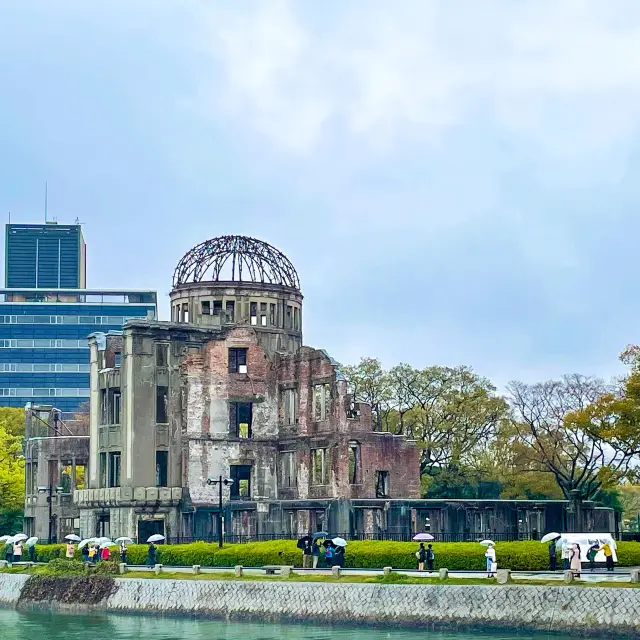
(72, 537)
(156, 538)
(550, 536)
(339, 542)
(486, 543)
(84, 543)
(4, 538)
(123, 539)
(20, 536)
(106, 545)
(31, 541)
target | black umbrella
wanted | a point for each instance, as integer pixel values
(303, 542)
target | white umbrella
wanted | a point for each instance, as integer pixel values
(550, 536)
(84, 543)
(105, 545)
(20, 536)
(10, 540)
(31, 541)
(72, 537)
(486, 543)
(423, 537)
(339, 542)
(123, 539)
(156, 537)
(4, 538)
(102, 540)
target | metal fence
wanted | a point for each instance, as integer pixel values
(385, 536)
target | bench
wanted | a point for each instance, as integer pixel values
(274, 569)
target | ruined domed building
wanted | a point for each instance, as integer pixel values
(227, 392)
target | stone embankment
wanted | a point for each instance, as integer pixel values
(577, 610)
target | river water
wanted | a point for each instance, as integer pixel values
(48, 626)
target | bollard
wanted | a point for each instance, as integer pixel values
(386, 571)
(157, 569)
(335, 572)
(635, 575)
(196, 569)
(239, 571)
(122, 568)
(568, 577)
(444, 574)
(503, 576)
(285, 572)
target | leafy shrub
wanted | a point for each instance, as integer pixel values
(64, 567)
(374, 554)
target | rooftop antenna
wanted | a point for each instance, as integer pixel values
(45, 201)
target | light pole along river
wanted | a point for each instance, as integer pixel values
(227, 483)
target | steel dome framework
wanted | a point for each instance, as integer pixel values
(242, 258)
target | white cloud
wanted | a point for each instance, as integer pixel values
(384, 72)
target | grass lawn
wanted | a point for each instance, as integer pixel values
(394, 578)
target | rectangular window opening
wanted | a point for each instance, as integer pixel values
(161, 404)
(319, 471)
(103, 470)
(321, 402)
(231, 311)
(205, 308)
(354, 463)
(162, 355)
(241, 476)
(382, 484)
(240, 418)
(253, 313)
(272, 315)
(237, 360)
(162, 468)
(217, 307)
(114, 469)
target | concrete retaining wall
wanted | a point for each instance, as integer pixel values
(584, 611)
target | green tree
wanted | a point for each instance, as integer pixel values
(11, 460)
(560, 427)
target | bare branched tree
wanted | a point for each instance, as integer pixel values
(549, 433)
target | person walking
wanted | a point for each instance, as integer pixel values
(315, 553)
(17, 551)
(490, 556)
(151, 555)
(553, 555)
(576, 563)
(70, 551)
(338, 556)
(8, 552)
(123, 552)
(85, 553)
(328, 555)
(421, 555)
(566, 557)
(306, 552)
(591, 556)
(608, 555)
(431, 557)
(104, 553)
(32, 553)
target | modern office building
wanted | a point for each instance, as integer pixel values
(44, 348)
(46, 255)
(47, 314)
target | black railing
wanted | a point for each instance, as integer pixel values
(389, 536)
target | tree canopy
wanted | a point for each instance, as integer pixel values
(575, 436)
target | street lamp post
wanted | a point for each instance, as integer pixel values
(227, 483)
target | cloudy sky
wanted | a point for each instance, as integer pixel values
(456, 181)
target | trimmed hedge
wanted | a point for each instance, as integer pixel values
(518, 556)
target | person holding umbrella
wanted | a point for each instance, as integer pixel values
(338, 556)
(315, 547)
(305, 545)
